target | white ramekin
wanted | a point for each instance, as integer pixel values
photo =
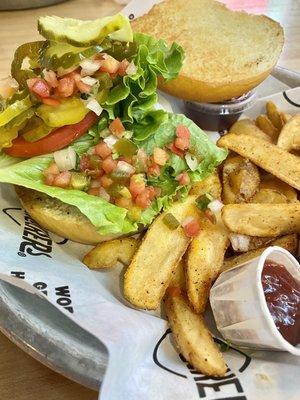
(240, 308)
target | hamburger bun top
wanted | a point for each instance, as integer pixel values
(227, 52)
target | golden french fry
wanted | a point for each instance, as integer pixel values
(265, 195)
(178, 276)
(274, 115)
(268, 156)
(248, 127)
(243, 243)
(203, 261)
(240, 180)
(269, 181)
(107, 254)
(211, 185)
(193, 338)
(262, 220)
(151, 268)
(263, 123)
(289, 138)
(285, 117)
(288, 242)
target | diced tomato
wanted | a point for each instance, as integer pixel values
(49, 179)
(63, 179)
(109, 165)
(83, 87)
(137, 185)
(50, 101)
(94, 191)
(102, 150)
(175, 150)
(183, 179)
(39, 87)
(142, 200)
(174, 291)
(50, 78)
(153, 170)
(122, 67)
(95, 183)
(65, 87)
(182, 131)
(123, 202)
(192, 228)
(84, 163)
(182, 143)
(52, 169)
(160, 156)
(56, 140)
(116, 127)
(109, 64)
(105, 181)
(151, 192)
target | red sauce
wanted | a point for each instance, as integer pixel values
(282, 293)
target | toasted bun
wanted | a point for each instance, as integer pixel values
(227, 53)
(60, 218)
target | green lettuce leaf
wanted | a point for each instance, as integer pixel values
(106, 217)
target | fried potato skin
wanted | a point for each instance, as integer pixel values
(211, 185)
(107, 254)
(240, 180)
(289, 137)
(151, 268)
(288, 242)
(193, 338)
(204, 260)
(262, 220)
(268, 156)
(248, 127)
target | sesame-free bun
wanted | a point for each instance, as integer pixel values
(227, 53)
(63, 219)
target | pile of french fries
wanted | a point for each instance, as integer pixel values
(258, 185)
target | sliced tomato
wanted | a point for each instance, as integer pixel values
(56, 140)
(116, 127)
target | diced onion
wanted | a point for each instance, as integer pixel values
(93, 105)
(103, 193)
(89, 66)
(124, 169)
(215, 206)
(131, 69)
(111, 140)
(191, 161)
(88, 80)
(65, 159)
(239, 242)
(8, 86)
(186, 221)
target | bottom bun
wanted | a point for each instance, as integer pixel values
(63, 219)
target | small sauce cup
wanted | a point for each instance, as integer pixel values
(239, 305)
(219, 116)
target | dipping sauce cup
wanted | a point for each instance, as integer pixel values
(240, 308)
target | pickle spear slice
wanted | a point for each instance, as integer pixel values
(85, 33)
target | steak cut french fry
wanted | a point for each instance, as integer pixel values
(263, 123)
(192, 337)
(274, 115)
(150, 271)
(268, 156)
(262, 219)
(204, 260)
(289, 138)
(288, 242)
(273, 190)
(248, 127)
(240, 180)
(178, 276)
(211, 185)
(107, 254)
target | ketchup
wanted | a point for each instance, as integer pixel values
(282, 293)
